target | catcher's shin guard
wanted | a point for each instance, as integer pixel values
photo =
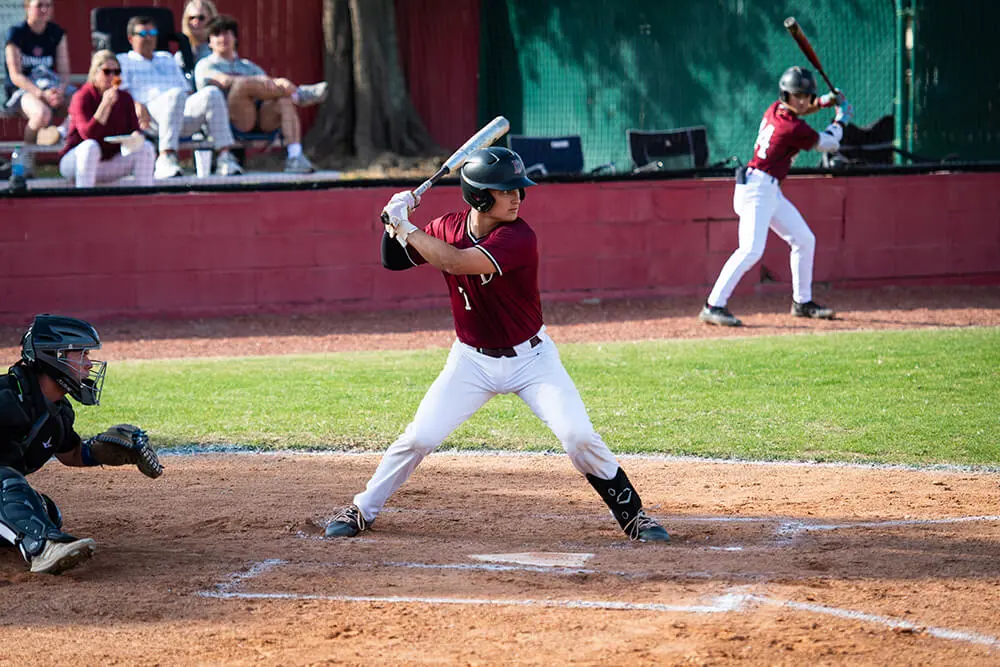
(24, 516)
(626, 508)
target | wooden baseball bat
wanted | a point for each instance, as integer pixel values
(793, 28)
(484, 138)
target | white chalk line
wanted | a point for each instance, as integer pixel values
(791, 528)
(726, 603)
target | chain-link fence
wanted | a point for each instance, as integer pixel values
(597, 69)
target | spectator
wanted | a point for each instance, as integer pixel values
(98, 111)
(194, 24)
(257, 102)
(37, 69)
(163, 103)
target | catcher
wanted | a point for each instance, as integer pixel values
(36, 421)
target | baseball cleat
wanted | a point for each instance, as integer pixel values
(647, 529)
(348, 523)
(812, 309)
(57, 557)
(719, 315)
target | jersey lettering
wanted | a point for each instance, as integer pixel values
(764, 135)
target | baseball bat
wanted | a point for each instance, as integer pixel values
(485, 137)
(793, 28)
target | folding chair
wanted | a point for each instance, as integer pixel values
(543, 156)
(654, 150)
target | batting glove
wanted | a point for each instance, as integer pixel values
(845, 112)
(406, 197)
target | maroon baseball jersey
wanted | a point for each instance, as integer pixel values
(781, 136)
(503, 308)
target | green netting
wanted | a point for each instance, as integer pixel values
(599, 68)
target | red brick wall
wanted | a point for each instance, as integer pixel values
(205, 254)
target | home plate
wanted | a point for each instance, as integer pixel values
(539, 558)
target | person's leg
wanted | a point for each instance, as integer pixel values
(457, 393)
(37, 113)
(167, 113)
(80, 163)
(789, 224)
(208, 107)
(242, 100)
(552, 396)
(281, 113)
(143, 163)
(754, 203)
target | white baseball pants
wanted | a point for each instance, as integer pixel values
(83, 165)
(469, 379)
(176, 114)
(761, 205)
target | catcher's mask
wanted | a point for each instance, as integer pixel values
(797, 80)
(493, 168)
(57, 346)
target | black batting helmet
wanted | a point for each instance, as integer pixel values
(44, 347)
(493, 168)
(796, 80)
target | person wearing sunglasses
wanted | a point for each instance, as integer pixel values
(165, 105)
(36, 55)
(258, 103)
(194, 24)
(100, 110)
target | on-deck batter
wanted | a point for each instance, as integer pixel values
(759, 202)
(489, 258)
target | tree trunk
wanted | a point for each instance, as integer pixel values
(368, 111)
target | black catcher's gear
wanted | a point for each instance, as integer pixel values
(797, 80)
(44, 347)
(25, 520)
(493, 168)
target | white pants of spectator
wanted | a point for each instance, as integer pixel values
(176, 114)
(762, 206)
(84, 165)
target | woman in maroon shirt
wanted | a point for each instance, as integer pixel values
(98, 111)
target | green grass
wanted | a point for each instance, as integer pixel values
(916, 397)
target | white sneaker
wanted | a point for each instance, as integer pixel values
(311, 94)
(167, 166)
(57, 557)
(299, 164)
(226, 164)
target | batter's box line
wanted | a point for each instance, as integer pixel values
(794, 528)
(730, 602)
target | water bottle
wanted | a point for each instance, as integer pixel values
(18, 183)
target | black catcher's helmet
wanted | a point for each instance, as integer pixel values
(44, 347)
(493, 168)
(797, 80)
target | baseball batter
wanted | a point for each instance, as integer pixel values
(489, 258)
(759, 202)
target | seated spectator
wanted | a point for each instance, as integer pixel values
(164, 105)
(97, 111)
(37, 68)
(194, 23)
(257, 102)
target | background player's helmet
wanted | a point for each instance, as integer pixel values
(44, 347)
(493, 168)
(797, 80)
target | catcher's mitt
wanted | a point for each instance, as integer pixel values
(122, 444)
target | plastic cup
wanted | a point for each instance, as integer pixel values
(203, 162)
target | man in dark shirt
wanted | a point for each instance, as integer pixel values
(36, 423)
(489, 258)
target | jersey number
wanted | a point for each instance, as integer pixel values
(764, 135)
(465, 296)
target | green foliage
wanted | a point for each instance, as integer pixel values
(916, 397)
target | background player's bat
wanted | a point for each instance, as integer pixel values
(490, 132)
(792, 26)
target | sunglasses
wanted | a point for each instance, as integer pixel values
(111, 72)
(200, 17)
(153, 32)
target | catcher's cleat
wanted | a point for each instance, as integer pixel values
(646, 529)
(348, 523)
(57, 557)
(812, 309)
(719, 315)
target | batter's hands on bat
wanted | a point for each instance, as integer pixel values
(832, 98)
(845, 112)
(396, 216)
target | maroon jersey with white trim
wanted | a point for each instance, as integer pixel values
(504, 308)
(781, 136)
